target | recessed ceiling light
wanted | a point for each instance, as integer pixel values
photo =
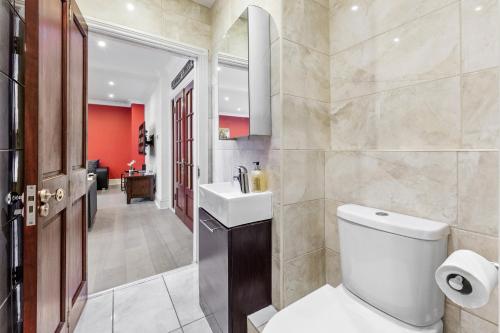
(238, 109)
(478, 8)
(218, 69)
(396, 40)
(130, 7)
(101, 43)
(111, 95)
(111, 83)
(226, 98)
(355, 8)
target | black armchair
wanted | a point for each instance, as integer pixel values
(101, 172)
(102, 178)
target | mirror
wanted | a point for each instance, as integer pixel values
(244, 77)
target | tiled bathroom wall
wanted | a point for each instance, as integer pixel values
(415, 123)
(306, 137)
(180, 20)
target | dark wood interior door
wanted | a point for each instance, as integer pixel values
(55, 287)
(183, 164)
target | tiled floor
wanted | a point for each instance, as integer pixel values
(163, 303)
(131, 242)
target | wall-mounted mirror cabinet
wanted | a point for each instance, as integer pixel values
(244, 77)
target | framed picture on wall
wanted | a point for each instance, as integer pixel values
(224, 133)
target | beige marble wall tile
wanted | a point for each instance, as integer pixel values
(485, 245)
(275, 66)
(481, 109)
(273, 173)
(400, 57)
(472, 324)
(276, 283)
(478, 192)
(422, 184)
(306, 22)
(276, 118)
(489, 311)
(480, 34)
(451, 318)
(186, 30)
(303, 228)
(305, 123)
(332, 241)
(303, 175)
(399, 119)
(333, 269)
(188, 8)
(349, 27)
(147, 16)
(305, 72)
(276, 231)
(303, 275)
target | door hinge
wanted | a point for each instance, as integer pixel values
(17, 275)
(199, 172)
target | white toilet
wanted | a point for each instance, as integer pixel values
(388, 264)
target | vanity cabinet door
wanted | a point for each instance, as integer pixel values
(213, 265)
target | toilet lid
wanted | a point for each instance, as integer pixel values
(330, 310)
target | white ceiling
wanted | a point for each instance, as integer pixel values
(134, 69)
(206, 3)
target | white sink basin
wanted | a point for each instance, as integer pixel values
(229, 206)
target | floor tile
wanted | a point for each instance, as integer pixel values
(97, 315)
(144, 308)
(183, 288)
(199, 326)
(131, 242)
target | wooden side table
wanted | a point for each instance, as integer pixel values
(140, 186)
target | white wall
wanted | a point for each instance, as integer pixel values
(159, 121)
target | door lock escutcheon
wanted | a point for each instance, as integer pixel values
(44, 210)
(45, 195)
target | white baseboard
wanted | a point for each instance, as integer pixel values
(115, 181)
(162, 204)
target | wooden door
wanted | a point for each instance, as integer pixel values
(183, 164)
(55, 286)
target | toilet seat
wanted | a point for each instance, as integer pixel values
(331, 310)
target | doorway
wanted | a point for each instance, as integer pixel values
(133, 231)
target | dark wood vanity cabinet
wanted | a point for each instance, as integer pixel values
(235, 272)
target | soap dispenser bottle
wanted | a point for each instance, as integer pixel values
(259, 179)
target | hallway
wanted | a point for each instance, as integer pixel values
(163, 303)
(131, 242)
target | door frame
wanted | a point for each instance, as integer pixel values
(201, 104)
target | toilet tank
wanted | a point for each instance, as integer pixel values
(389, 259)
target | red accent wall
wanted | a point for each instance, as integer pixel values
(113, 138)
(137, 118)
(239, 126)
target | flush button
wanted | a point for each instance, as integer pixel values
(381, 214)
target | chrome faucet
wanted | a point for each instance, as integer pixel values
(242, 178)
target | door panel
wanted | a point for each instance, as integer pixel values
(51, 76)
(75, 241)
(51, 303)
(55, 254)
(182, 120)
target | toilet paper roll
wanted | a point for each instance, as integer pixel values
(467, 279)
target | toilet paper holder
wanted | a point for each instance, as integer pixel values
(460, 284)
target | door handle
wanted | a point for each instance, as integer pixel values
(45, 195)
(204, 222)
